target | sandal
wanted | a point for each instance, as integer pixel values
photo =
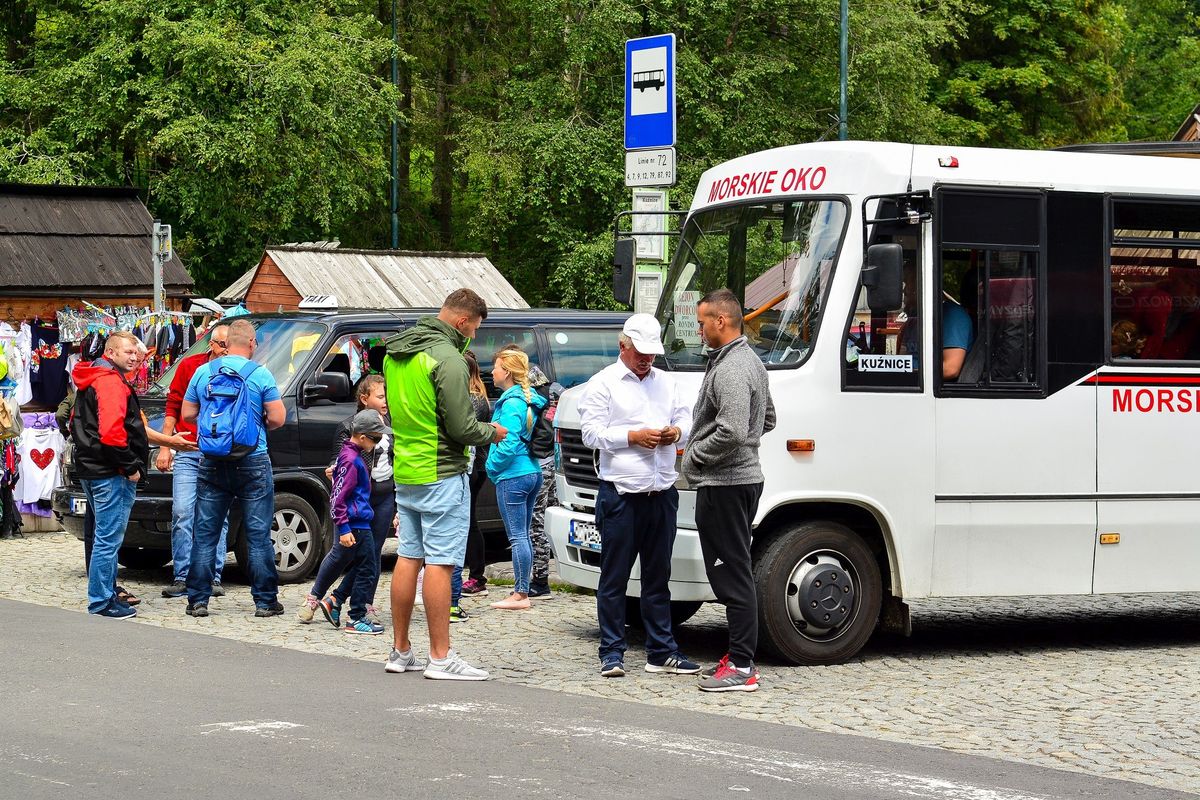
(126, 597)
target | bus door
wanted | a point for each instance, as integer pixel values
(1016, 329)
(886, 450)
(1148, 401)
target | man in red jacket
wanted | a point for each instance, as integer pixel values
(186, 466)
(111, 454)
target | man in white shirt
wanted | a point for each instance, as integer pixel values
(634, 415)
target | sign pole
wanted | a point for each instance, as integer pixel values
(160, 252)
(843, 72)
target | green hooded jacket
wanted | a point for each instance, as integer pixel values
(433, 421)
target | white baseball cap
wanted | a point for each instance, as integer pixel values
(643, 329)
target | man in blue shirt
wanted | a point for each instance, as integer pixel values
(248, 478)
(958, 334)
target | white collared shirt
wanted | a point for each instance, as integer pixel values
(616, 402)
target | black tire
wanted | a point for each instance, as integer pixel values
(298, 534)
(137, 558)
(833, 570)
(681, 611)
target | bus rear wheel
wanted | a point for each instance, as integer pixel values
(819, 593)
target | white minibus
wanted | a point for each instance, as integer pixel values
(986, 370)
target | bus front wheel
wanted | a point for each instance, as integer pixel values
(819, 593)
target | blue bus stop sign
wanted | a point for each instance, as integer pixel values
(650, 92)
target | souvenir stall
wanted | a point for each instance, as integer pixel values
(37, 357)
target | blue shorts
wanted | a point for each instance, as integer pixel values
(434, 518)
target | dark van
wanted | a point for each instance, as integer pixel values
(317, 358)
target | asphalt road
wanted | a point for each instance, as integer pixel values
(98, 708)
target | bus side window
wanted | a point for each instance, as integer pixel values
(989, 262)
(883, 349)
(1155, 278)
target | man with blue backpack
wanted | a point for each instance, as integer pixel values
(233, 402)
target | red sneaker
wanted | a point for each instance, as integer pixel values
(724, 662)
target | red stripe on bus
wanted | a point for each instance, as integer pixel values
(1142, 380)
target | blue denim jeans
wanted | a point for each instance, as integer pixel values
(186, 471)
(354, 560)
(383, 504)
(633, 526)
(249, 480)
(456, 586)
(516, 498)
(110, 500)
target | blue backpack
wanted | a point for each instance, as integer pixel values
(226, 427)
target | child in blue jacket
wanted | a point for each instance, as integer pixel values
(350, 503)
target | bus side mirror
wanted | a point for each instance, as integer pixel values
(624, 266)
(883, 277)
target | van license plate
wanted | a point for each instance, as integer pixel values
(584, 534)
(79, 506)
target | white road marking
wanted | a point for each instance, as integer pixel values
(39, 778)
(266, 728)
(776, 765)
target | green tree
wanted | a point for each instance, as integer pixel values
(1035, 73)
(1160, 66)
(245, 122)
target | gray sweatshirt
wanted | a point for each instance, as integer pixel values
(732, 413)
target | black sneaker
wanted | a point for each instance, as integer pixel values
(176, 589)
(540, 591)
(273, 610)
(217, 589)
(197, 610)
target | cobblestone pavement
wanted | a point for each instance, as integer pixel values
(1103, 686)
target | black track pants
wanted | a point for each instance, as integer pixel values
(723, 517)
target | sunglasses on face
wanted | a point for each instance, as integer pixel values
(219, 343)
(374, 437)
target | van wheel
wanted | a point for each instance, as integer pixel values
(681, 611)
(296, 535)
(137, 558)
(819, 593)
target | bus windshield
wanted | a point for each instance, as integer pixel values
(776, 255)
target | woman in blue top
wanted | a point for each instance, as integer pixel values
(516, 474)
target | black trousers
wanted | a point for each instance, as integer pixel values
(723, 518)
(476, 558)
(636, 526)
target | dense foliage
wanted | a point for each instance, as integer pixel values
(248, 122)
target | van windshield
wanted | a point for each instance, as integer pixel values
(282, 345)
(778, 256)
(579, 353)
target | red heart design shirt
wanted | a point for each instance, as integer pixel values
(43, 458)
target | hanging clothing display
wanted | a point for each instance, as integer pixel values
(48, 365)
(10, 513)
(40, 448)
(15, 351)
(45, 351)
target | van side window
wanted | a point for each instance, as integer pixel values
(354, 355)
(490, 338)
(1155, 279)
(883, 348)
(989, 271)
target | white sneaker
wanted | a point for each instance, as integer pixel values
(453, 668)
(420, 601)
(403, 662)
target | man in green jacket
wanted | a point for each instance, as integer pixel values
(433, 424)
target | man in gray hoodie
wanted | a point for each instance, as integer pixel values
(732, 413)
